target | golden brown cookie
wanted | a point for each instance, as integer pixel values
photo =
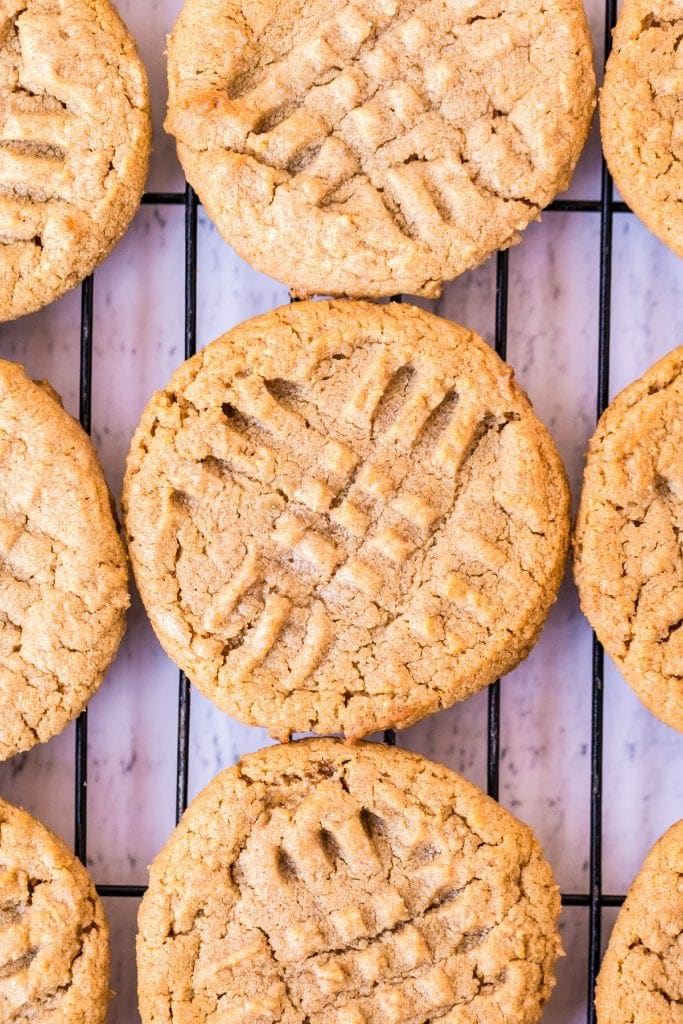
(628, 561)
(63, 571)
(641, 114)
(641, 978)
(75, 135)
(364, 149)
(321, 883)
(343, 516)
(54, 940)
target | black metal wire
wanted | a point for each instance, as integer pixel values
(558, 206)
(598, 657)
(85, 417)
(122, 891)
(164, 199)
(183, 750)
(593, 900)
(493, 712)
(583, 899)
(570, 899)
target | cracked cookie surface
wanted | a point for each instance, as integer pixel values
(370, 148)
(321, 883)
(641, 978)
(343, 516)
(628, 558)
(54, 939)
(63, 568)
(641, 114)
(75, 134)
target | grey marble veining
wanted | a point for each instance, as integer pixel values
(545, 736)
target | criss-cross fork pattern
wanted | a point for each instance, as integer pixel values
(595, 899)
(34, 172)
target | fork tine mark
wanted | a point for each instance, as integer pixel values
(45, 128)
(258, 641)
(456, 440)
(477, 548)
(230, 594)
(292, 534)
(316, 642)
(412, 418)
(457, 590)
(360, 407)
(20, 220)
(47, 175)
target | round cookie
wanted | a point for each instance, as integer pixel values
(74, 145)
(628, 562)
(371, 148)
(641, 114)
(641, 978)
(343, 516)
(317, 882)
(63, 570)
(54, 939)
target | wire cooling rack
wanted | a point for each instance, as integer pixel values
(594, 899)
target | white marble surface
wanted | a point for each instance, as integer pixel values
(545, 703)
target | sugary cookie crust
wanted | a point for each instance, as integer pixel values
(344, 516)
(641, 114)
(641, 978)
(628, 559)
(63, 570)
(364, 149)
(75, 135)
(320, 883)
(54, 940)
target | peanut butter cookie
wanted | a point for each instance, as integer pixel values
(641, 114)
(321, 883)
(343, 516)
(75, 136)
(628, 560)
(54, 940)
(63, 572)
(363, 149)
(641, 979)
